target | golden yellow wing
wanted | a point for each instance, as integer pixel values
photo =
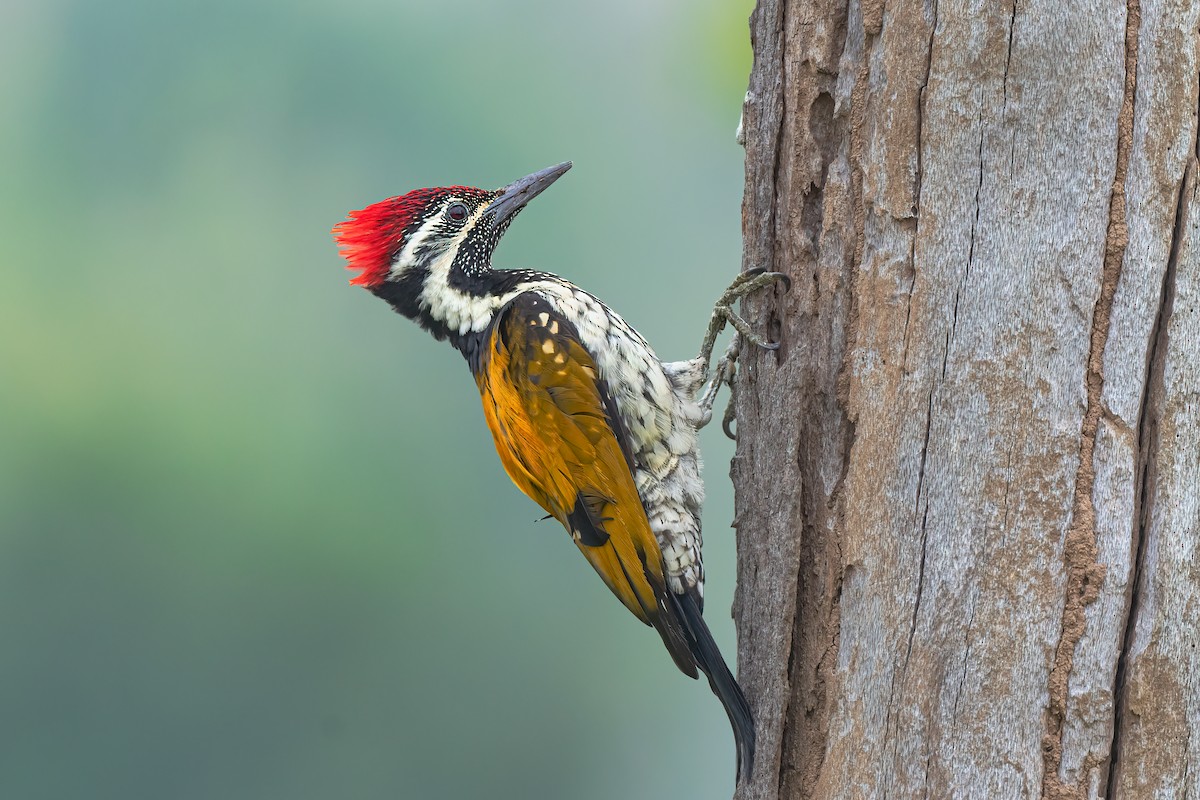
(560, 440)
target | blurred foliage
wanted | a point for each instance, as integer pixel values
(254, 540)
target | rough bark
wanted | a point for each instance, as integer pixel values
(968, 483)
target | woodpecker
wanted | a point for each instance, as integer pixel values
(588, 422)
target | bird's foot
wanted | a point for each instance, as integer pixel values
(723, 313)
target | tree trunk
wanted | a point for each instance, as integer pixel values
(968, 483)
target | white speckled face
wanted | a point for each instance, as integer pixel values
(437, 247)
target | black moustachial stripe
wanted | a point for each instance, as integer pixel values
(404, 296)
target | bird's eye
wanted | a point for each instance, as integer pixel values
(457, 212)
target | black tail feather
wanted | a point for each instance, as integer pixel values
(724, 686)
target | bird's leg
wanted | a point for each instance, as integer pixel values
(726, 368)
(725, 372)
(724, 314)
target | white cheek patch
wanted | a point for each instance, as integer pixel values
(459, 310)
(406, 257)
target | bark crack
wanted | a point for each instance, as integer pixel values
(918, 181)
(912, 259)
(970, 251)
(921, 121)
(924, 455)
(975, 221)
(1012, 23)
(1080, 551)
(902, 671)
(962, 679)
(1147, 432)
(912, 628)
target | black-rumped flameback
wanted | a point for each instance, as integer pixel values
(586, 419)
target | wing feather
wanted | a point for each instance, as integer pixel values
(556, 429)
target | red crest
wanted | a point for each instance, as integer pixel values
(370, 238)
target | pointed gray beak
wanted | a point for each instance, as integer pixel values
(514, 196)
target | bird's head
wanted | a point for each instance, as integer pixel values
(440, 234)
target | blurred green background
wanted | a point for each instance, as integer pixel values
(254, 538)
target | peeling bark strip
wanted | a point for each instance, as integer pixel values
(937, 475)
(1083, 572)
(1151, 445)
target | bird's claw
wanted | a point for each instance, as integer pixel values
(727, 421)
